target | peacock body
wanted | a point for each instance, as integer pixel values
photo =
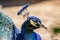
(8, 30)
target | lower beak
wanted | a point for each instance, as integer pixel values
(43, 26)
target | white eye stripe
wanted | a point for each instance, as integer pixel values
(32, 23)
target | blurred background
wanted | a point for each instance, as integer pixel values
(47, 10)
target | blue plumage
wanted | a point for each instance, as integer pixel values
(27, 32)
(23, 8)
(15, 32)
(34, 19)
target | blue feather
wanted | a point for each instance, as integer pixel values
(23, 8)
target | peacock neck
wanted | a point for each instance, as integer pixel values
(24, 30)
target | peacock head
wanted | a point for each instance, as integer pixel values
(33, 22)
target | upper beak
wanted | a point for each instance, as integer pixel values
(43, 26)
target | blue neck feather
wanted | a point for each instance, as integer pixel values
(23, 28)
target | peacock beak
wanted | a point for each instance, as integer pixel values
(43, 26)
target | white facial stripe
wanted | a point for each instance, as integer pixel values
(32, 23)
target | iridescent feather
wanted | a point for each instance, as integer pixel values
(8, 30)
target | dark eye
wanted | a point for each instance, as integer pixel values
(38, 24)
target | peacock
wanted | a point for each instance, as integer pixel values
(28, 27)
(8, 30)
